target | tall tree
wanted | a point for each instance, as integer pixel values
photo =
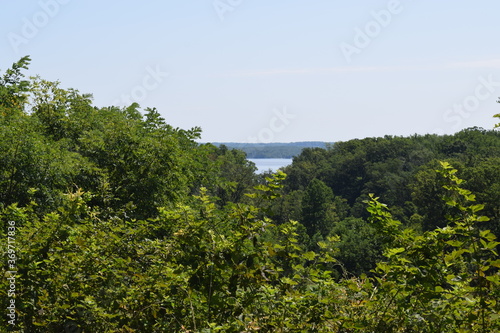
(13, 88)
(316, 206)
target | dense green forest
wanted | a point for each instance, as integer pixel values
(115, 221)
(272, 150)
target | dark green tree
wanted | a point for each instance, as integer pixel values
(360, 247)
(317, 208)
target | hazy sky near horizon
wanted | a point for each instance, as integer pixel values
(271, 71)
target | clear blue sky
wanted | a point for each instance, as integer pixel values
(276, 71)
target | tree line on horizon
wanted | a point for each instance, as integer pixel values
(272, 150)
(124, 223)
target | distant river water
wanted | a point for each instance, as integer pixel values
(264, 164)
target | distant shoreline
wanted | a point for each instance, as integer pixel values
(270, 164)
(273, 150)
